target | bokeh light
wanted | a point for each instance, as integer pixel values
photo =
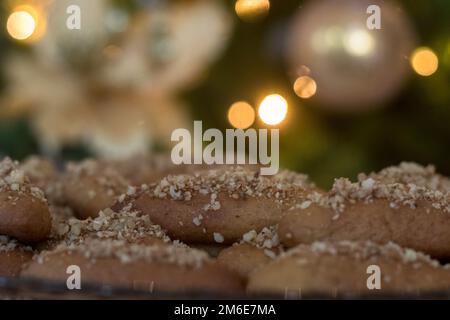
(305, 87)
(21, 25)
(241, 115)
(273, 109)
(356, 69)
(251, 10)
(424, 61)
(359, 42)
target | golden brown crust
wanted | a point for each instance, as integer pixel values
(323, 268)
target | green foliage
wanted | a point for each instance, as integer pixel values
(413, 127)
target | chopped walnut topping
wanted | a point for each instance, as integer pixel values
(363, 251)
(126, 225)
(218, 237)
(270, 254)
(197, 220)
(107, 177)
(44, 174)
(131, 190)
(404, 185)
(236, 182)
(60, 215)
(305, 204)
(411, 173)
(7, 244)
(12, 178)
(266, 239)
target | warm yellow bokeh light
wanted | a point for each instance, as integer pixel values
(305, 87)
(424, 61)
(359, 42)
(21, 25)
(250, 10)
(273, 109)
(241, 115)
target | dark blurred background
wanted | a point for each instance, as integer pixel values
(138, 69)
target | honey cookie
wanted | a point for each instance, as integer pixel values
(90, 186)
(44, 174)
(13, 257)
(253, 251)
(136, 266)
(345, 267)
(376, 209)
(218, 206)
(24, 212)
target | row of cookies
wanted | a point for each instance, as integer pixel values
(278, 233)
(356, 226)
(122, 248)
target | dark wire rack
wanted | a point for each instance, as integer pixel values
(32, 288)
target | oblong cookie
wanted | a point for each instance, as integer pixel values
(219, 206)
(345, 267)
(44, 174)
(13, 256)
(378, 209)
(172, 268)
(24, 212)
(91, 186)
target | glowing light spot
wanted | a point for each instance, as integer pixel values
(21, 25)
(424, 61)
(305, 87)
(273, 109)
(241, 115)
(359, 42)
(250, 10)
